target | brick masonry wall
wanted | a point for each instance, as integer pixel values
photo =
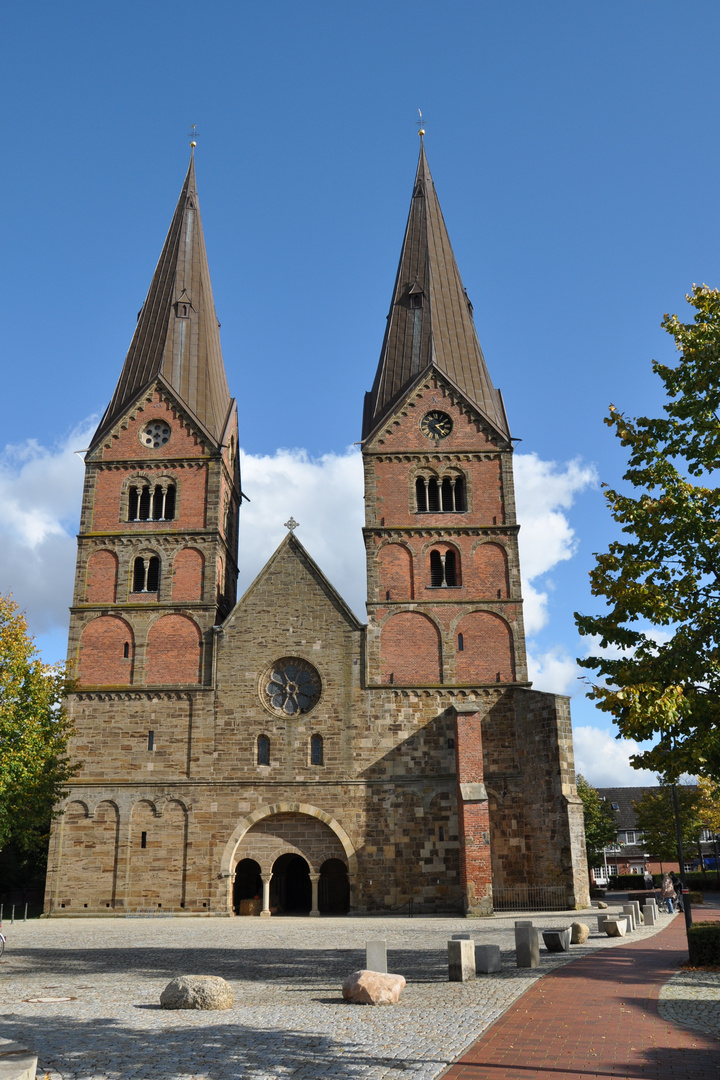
(410, 651)
(174, 645)
(187, 581)
(101, 586)
(102, 652)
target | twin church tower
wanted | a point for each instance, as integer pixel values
(273, 755)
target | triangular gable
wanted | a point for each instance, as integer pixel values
(291, 547)
(433, 371)
(183, 411)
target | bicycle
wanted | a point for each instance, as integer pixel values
(3, 939)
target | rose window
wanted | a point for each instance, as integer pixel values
(155, 434)
(291, 686)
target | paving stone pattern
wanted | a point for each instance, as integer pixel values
(289, 1018)
(692, 998)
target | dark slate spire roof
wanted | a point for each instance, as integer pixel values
(430, 319)
(184, 350)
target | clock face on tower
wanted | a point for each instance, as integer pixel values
(436, 425)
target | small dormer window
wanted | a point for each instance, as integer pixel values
(416, 300)
(182, 310)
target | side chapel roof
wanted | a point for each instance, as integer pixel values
(177, 333)
(430, 320)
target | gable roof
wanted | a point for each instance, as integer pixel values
(177, 333)
(290, 545)
(430, 320)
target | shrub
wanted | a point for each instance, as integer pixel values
(704, 944)
(696, 897)
(626, 881)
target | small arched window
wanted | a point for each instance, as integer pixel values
(126, 650)
(146, 574)
(446, 496)
(461, 643)
(146, 503)
(144, 507)
(443, 569)
(316, 750)
(263, 750)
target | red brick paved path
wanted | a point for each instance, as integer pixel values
(597, 1017)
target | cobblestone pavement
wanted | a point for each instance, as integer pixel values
(692, 998)
(84, 994)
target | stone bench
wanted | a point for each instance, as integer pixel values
(557, 940)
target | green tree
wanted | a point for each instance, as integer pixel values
(656, 821)
(659, 664)
(34, 731)
(600, 823)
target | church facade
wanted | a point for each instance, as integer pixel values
(274, 755)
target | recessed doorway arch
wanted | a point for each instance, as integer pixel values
(334, 889)
(290, 886)
(247, 888)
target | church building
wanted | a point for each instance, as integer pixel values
(273, 755)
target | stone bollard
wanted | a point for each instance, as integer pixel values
(527, 945)
(376, 955)
(638, 912)
(487, 959)
(616, 926)
(629, 910)
(601, 923)
(461, 960)
(650, 915)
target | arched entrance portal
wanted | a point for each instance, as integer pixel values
(290, 888)
(247, 887)
(334, 889)
(291, 848)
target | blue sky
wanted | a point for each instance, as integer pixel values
(574, 151)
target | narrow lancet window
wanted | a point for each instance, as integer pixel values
(316, 750)
(263, 750)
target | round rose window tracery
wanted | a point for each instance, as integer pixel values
(155, 434)
(291, 687)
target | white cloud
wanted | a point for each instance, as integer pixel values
(544, 490)
(554, 671)
(605, 761)
(325, 495)
(40, 492)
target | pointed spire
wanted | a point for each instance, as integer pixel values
(430, 320)
(177, 334)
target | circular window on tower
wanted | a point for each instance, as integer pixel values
(290, 687)
(155, 434)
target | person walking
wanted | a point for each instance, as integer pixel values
(677, 885)
(667, 893)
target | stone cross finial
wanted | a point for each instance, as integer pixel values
(292, 524)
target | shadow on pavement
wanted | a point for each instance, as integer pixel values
(211, 1051)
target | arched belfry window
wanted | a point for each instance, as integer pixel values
(263, 750)
(151, 502)
(146, 574)
(443, 569)
(435, 496)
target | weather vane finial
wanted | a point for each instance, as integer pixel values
(192, 134)
(420, 124)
